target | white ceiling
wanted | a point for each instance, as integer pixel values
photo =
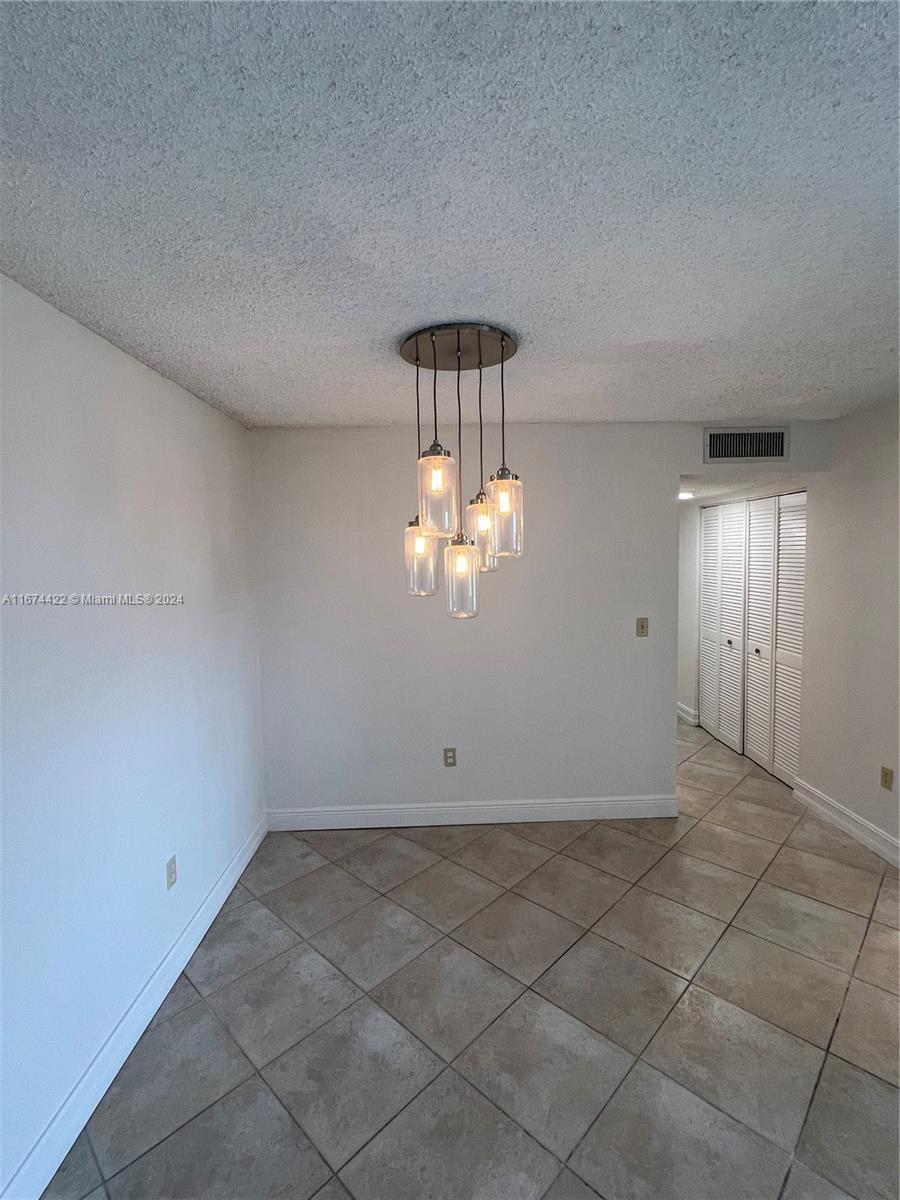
(684, 210)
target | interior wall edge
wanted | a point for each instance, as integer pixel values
(41, 1163)
(843, 818)
(690, 715)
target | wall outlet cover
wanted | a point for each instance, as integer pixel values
(171, 873)
(887, 778)
(642, 627)
(450, 756)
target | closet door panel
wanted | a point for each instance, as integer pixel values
(790, 601)
(731, 624)
(760, 622)
(710, 534)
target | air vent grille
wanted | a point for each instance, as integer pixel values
(745, 445)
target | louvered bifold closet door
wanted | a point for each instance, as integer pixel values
(790, 599)
(731, 624)
(710, 550)
(760, 626)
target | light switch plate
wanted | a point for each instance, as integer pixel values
(642, 627)
(887, 778)
(171, 873)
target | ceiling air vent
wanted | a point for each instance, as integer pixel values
(745, 445)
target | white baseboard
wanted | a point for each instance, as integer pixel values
(364, 816)
(690, 715)
(864, 831)
(39, 1166)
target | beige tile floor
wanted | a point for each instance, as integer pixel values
(697, 1008)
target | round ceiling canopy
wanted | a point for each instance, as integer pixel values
(474, 340)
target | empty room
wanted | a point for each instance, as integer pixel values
(449, 600)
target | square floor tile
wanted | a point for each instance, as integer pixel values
(819, 837)
(850, 1136)
(548, 1071)
(879, 957)
(175, 1070)
(279, 859)
(693, 733)
(702, 775)
(502, 857)
(886, 910)
(658, 1141)
(519, 937)
(567, 1186)
(797, 994)
(346, 1080)
(714, 754)
(748, 817)
(78, 1174)
(446, 895)
(573, 889)
(752, 1070)
(180, 996)
(614, 991)
(335, 843)
(447, 996)
(552, 834)
(235, 943)
(616, 852)
(669, 934)
(280, 1002)
(333, 1190)
(729, 848)
(694, 802)
(765, 790)
(804, 1184)
(665, 831)
(388, 862)
(375, 941)
(245, 1147)
(867, 1031)
(699, 884)
(824, 879)
(317, 900)
(800, 923)
(684, 750)
(451, 1144)
(236, 897)
(444, 839)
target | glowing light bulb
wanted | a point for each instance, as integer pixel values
(506, 494)
(420, 545)
(437, 480)
(503, 501)
(462, 564)
(484, 523)
(420, 557)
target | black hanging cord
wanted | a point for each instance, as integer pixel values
(459, 433)
(480, 424)
(502, 404)
(434, 363)
(418, 416)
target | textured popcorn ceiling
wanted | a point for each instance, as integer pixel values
(685, 211)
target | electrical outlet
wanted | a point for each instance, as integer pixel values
(171, 873)
(642, 627)
(450, 756)
(887, 778)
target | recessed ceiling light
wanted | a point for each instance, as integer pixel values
(685, 495)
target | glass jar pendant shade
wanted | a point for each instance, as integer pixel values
(420, 556)
(461, 561)
(505, 492)
(481, 528)
(437, 480)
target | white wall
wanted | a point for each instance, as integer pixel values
(849, 714)
(547, 695)
(129, 734)
(688, 609)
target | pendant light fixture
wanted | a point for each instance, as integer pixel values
(437, 477)
(481, 515)
(505, 489)
(420, 553)
(461, 556)
(477, 534)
